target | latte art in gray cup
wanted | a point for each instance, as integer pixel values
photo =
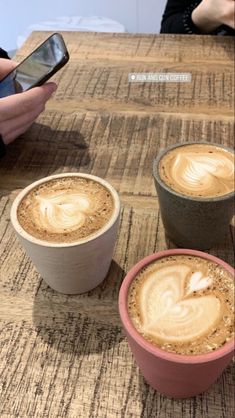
(65, 209)
(183, 304)
(198, 170)
(195, 188)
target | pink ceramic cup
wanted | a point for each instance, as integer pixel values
(174, 375)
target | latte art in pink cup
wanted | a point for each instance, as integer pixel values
(177, 309)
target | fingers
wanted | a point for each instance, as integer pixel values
(19, 125)
(17, 104)
(19, 111)
(6, 66)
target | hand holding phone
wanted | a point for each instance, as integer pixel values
(37, 68)
(19, 111)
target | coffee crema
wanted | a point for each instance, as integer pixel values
(65, 209)
(183, 304)
(198, 170)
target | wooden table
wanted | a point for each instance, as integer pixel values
(66, 356)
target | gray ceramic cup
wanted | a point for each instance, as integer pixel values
(193, 222)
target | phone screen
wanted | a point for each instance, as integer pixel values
(36, 68)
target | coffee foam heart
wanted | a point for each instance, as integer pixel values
(165, 312)
(65, 209)
(177, 304)
(198, 170)
(62, 210)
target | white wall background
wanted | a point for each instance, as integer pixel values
(135, 15)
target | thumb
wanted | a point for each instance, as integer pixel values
(46, 89)
(18, 104)
(38, 94)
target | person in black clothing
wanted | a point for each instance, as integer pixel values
(3, 54)
(199, 16)
(19, 111)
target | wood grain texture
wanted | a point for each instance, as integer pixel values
(66, 356)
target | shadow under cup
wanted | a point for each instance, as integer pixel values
(193, 222)
(75, 267)
(173, 375)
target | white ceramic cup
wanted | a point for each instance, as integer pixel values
(76, 267)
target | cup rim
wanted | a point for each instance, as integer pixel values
(157, 177)
(20, 230)
(137, 337)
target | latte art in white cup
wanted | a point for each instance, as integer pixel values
(183, 304)
(65, 209)
(68, 225)
(199, 170)
(62, 211)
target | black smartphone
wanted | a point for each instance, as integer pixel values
(37, 68)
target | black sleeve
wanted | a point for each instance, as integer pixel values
(177, 17)
(3, 54)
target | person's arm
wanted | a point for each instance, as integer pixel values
(195, 17)
(19, 111)
(210, 14)
(3, 54)
(177, 17)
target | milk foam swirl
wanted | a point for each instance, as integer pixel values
(170, 311)
(200, 173)
(63, 211)
(66, 209)
(199, 170)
